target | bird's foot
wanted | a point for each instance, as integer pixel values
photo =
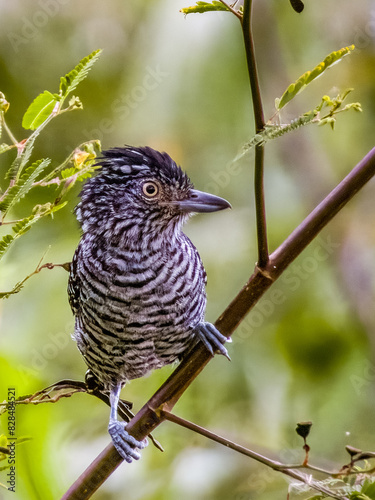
(212, 338)
(124, 443)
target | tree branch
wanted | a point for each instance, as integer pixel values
(67, 387)
(259, 126)
(260, 207)
(150, 416)
(288, 470)
(251, 65)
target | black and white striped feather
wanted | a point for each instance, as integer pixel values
(137, 283)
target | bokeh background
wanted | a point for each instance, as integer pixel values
(306, 352)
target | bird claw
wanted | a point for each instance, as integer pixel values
(212, 338)
(124, 443)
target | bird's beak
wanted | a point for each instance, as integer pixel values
(198, 201)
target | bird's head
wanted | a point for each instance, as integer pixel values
(140, 193)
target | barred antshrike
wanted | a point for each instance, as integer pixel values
(137, 283)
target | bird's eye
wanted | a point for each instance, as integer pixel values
(150, 189)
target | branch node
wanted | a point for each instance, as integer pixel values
(266, 272)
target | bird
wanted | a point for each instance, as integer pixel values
(137, 282)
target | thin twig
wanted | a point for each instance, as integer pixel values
(66, 388)
(18, 286)
(277, 466)
(260, 209)
(234, 11)
(9, 132)
(252, 66)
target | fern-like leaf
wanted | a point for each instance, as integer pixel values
(22, 158)
(304, 80)
(5, 243)
(15, 193)
(70, 81)
(201, 7)
(273, 131)
(4, 147)
(39, 110)
(22, 226)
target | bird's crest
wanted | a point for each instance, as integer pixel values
(142, 162)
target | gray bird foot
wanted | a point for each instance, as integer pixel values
(124, 443)
(212, 338)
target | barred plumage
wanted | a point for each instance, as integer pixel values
(137, 283)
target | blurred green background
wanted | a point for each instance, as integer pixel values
(306, 352)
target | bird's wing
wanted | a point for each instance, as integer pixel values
(74, 285)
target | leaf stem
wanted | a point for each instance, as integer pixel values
(9, 132)
(234, 11)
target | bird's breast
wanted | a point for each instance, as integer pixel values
(140, 308)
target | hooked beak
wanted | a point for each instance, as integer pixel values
(201, 202)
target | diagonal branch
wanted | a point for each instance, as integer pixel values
(150, 416)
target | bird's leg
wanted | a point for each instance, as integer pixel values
(124, 443)
(212, 338)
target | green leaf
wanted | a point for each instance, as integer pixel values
(14, 194)
(39, 110)
(271, 131)
(68, 172)
(309, 76)
(4, 147)
(22, 226)
(5, 243)
(202, 7)
(21, 160)
(70, 81)
(369, 489)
